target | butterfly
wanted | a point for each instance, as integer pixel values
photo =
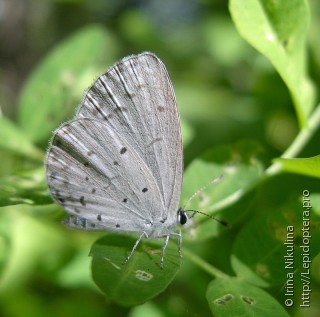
(118, 164)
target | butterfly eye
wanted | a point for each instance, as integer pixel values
(182, 216)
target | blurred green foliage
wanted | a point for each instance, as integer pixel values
(245, 74)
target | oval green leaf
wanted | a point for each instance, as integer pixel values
(142, 278)
(234, 297)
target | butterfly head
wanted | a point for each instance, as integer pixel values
(182, 216)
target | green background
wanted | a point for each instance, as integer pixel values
(246, 76)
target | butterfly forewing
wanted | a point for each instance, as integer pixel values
(136, 98)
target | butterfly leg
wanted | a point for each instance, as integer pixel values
(179, 236)
(164, 249)
(135, 247)
(180, 243)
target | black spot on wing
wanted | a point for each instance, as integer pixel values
(123, 150)
(56, 142)
(53, 175)
(62, 200)
(82, 201)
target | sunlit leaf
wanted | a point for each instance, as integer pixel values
(239, 167)
(307, 166)
(278, 29)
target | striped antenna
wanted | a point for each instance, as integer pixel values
(226, 224)
(199, 191)
(216, 180)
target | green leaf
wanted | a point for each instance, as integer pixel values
(14, 140)
(141, 278)
(24, 188)
(54, 89)
(277, 29)
(240, 168)
(259, 249)
(307, 166)
(234, 297)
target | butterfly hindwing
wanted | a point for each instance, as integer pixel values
(101, 178)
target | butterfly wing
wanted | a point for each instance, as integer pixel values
(136, 99)
(96, 175)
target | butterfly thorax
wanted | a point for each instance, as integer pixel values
(159, 229)
(165, 227)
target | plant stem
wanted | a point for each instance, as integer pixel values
(203, 264)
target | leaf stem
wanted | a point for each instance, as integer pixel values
(203, 264)
(299, 142)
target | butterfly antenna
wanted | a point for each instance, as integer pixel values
(226, 224)
(216, 180)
